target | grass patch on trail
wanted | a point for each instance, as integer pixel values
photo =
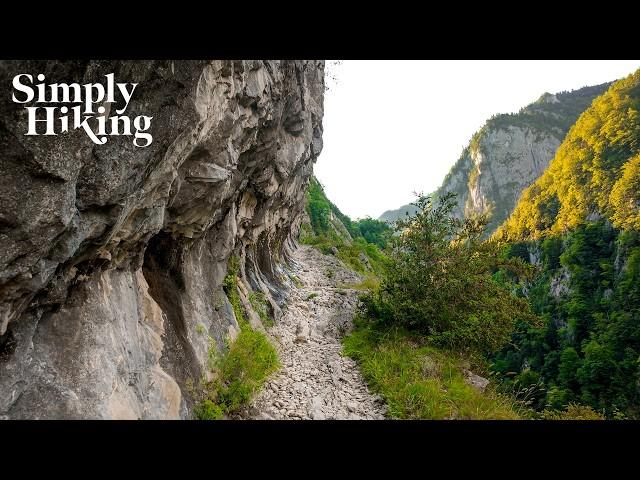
(240, 371)
(370, 282)
(296, 281)
(421, 382)
(360, 256)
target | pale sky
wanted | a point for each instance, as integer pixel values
(394, 127)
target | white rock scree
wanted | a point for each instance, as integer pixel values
(316, 381)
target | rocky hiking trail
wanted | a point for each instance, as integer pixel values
(316, 381)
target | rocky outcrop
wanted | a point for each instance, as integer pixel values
(495, 170)
(112, 256)
(508, 154)
(337, 228)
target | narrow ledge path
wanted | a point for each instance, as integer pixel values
(316, 381)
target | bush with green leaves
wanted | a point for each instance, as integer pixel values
(238, 374)
(261, 306)
(573, 412)
(439, 281)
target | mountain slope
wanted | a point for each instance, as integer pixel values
(595, 172)
(393, 215)
(509, 152)
(357, 243)
(579, 224)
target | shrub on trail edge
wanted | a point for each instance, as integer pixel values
(440, 281)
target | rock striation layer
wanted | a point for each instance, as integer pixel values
(112, 257)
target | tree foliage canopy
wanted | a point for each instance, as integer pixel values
(440, 281)
(595, 171)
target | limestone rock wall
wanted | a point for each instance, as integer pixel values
(505, 162)
(112, 257)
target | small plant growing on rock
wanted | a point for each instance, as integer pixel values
(259, 303)
(369, 283)
(573, 412)
(296, 281)
(238, 374)
(242, 369)
(207, 410)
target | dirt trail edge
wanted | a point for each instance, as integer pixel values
(316, 381)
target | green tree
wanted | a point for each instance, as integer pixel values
(625, 196)
(568, 369)
(439, 281)
(373, 231)
(595, 374)
(318, 208)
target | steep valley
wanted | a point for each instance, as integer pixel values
(208, 276)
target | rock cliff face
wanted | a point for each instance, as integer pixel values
(112, 257)
(509, 153)
(492, 173)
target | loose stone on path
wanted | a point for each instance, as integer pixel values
(316, 382)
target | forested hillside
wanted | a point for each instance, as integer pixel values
(357, 243)
(579, 225)
(595, 172)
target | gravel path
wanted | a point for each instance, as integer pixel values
(316, 381)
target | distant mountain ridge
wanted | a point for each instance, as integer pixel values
(393, 215)
(508, 154)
